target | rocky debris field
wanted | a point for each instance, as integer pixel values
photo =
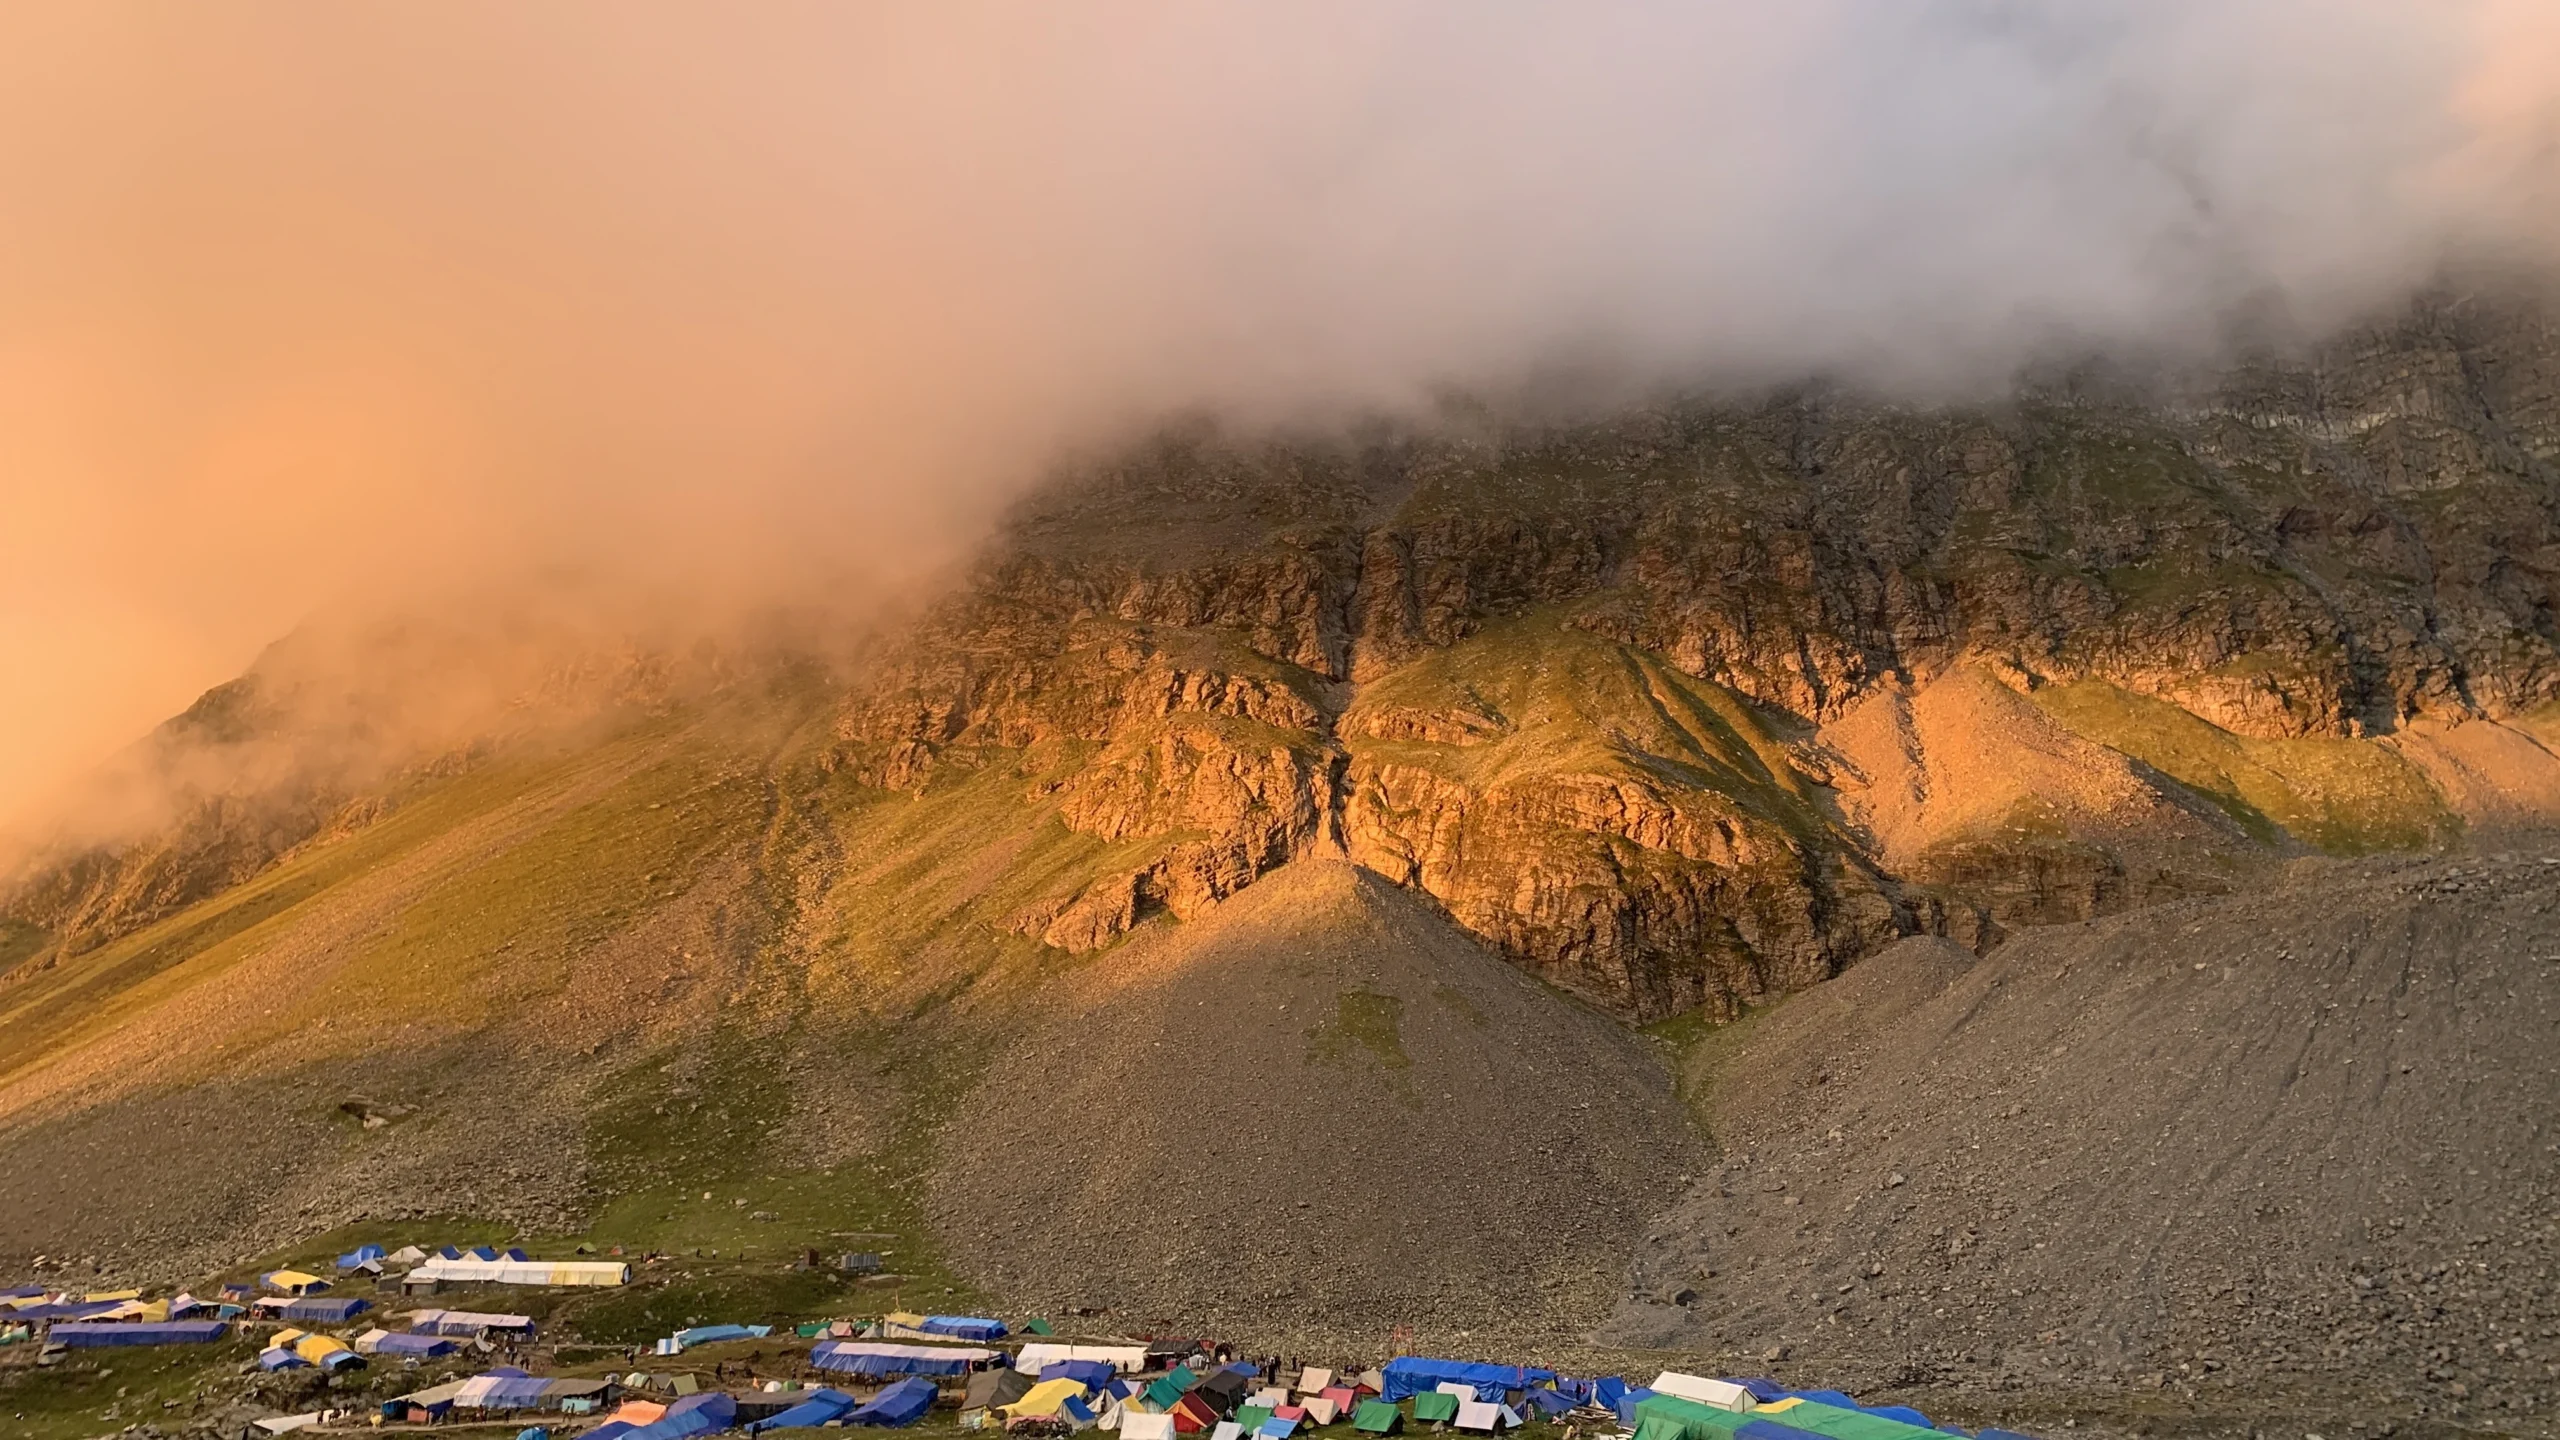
(2297, 1145)
(1319, 1111)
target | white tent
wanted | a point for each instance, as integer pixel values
(524, 1272)
(1479, 1415)
(1722, 1394)
(1138, 1425)
(1127, 1359)
(1316, 1378)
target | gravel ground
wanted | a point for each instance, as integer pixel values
(1217, 1127)
(2294, 1145)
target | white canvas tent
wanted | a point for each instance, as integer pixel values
(1722, 1394)
(1127, 1359)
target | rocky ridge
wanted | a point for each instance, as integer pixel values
(1247, 649)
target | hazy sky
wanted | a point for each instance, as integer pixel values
(313, 307)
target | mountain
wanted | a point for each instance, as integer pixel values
(1674, 714)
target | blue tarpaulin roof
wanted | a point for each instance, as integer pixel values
(1628, 1400)
(413, 1343)
(1547, 1401)
(1093, 1374)
(820, 1407)
(868, 1357)
(323, 1312)
(1409, 1375)
(1763, 1391)
(692, 1415)
(181, 1332)
(276, 1357)
(963, 1327)
(359, 1255)
(72, 1310)
(901, 1404)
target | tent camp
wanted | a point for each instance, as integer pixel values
(872, 1357)
(898, 1406)
(963, 1327)
(182, 1332)
(1040, 1355)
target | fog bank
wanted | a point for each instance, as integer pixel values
(692, 310)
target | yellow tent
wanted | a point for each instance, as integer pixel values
(1043, 1398)
(292, 1282)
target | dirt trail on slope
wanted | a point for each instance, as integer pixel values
(2291, 1149)
(1317, 1112)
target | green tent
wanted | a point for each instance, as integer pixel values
(1660, 1427)
(1840, 1424)
(1037, 1326)
(1672, 1418)
(1251, 1417)
(1377, 1417)
(1169, 1388)
(1435, 1405)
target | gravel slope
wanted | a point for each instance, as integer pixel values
(2295, 1148)
(1217, 1125)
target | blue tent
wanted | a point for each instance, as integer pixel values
(514, 1253)
(413, 1343)
(870, 1357)
(484, 1252)
(963, 1327)
(68, 1310)
(712, 1335)
(1903, 1413)
(1628, 1400)
(1763, 1391)
(182, 1332)
(1091, 1374)
(323, 1312)
(901, 1404)
(21, 1292)
(1409, 1375)
(359, 1255)
(821, 1407)
(692, 1415)
(277, 1357)
(1545, 1401)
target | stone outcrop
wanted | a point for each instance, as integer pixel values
(2320, 550)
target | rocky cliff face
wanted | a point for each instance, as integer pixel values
(1697, 704)
(1701, 703)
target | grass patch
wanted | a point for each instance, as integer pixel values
(2345, 797)
(1700, 1047)
(97, 1392)
(1363, 1021)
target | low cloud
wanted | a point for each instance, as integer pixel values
(698, 310)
